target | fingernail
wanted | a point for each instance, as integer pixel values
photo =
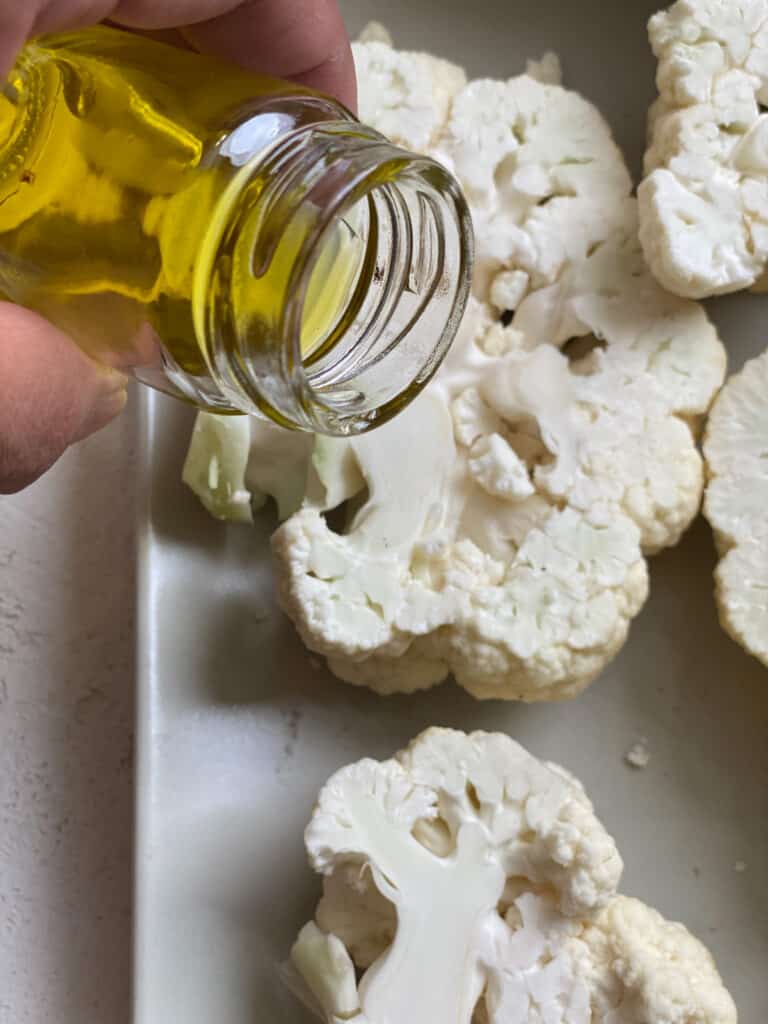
(109, 405)
(112, 380)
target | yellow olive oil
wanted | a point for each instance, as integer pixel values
(113, 193)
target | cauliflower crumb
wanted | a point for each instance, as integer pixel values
(638, 756)
(740, 867)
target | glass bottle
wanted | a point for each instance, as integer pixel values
(237, 241)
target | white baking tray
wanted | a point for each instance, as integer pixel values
(238, 727)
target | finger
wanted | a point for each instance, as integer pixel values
(22, 19)
(300, 39)
(304, 40)
(16, 23)
(169, 13)
(51, 395)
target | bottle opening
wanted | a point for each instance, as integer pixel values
(344, 282)
(380, 297)
(379, 267)
(334, 280)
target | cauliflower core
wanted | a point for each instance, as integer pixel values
(467, 882)
(497, 529)
(704, 202)
(736, 504)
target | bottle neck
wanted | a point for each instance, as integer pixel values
(337, 280)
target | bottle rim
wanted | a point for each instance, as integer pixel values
(407, 302)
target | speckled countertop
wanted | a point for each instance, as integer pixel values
(66, 710)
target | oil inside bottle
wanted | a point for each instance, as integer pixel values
(112, 187)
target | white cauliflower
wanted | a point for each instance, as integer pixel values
(547, 70)
(544, 178)
(501, 529)
(236, 463)
(497, 528)
(466, 881)
(736, 503)
(704, 201)
(405, 95)
(375, 32)
(536, 597)
(216, 463)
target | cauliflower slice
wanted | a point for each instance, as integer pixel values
(501, 531)
(736, 504)
(468, 881)
(496, 529)
(704, 201)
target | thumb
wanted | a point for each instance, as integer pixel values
(51, 395)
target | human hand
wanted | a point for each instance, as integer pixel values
(51, 394)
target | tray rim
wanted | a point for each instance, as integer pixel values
(143, 757)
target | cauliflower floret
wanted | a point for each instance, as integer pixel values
(327, 968)
(354, 909)
(216, 464)
(498, 469)
(501, 889)
(547, 70)
(642, 968)
(704, 201)
(405, 96)
(375, 32)
(736, 503)
(542, 173)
